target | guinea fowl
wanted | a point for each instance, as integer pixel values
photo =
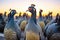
(53, 28)
(4, 16)
(40, 15)
(33, 30)
(22, 22)
(21, 19)
(41, 20)
(2, 23)
(45, 28)
(12, 31)
(51, 22)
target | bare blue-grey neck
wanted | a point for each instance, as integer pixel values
(33, 17)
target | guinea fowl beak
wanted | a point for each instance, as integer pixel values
(29, 9)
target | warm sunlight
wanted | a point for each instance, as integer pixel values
(22, 5)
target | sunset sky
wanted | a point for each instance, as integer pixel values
(22, 5)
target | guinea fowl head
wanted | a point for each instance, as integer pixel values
(40, 11)
(24, 14)
(11, 14)
(31, 8)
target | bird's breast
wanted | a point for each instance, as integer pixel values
(10, 34)
(32, 36)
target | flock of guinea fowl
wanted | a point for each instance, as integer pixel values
(32, 29)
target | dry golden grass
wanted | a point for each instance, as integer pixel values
(23, 25)
(32, 36)
(10, 34)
